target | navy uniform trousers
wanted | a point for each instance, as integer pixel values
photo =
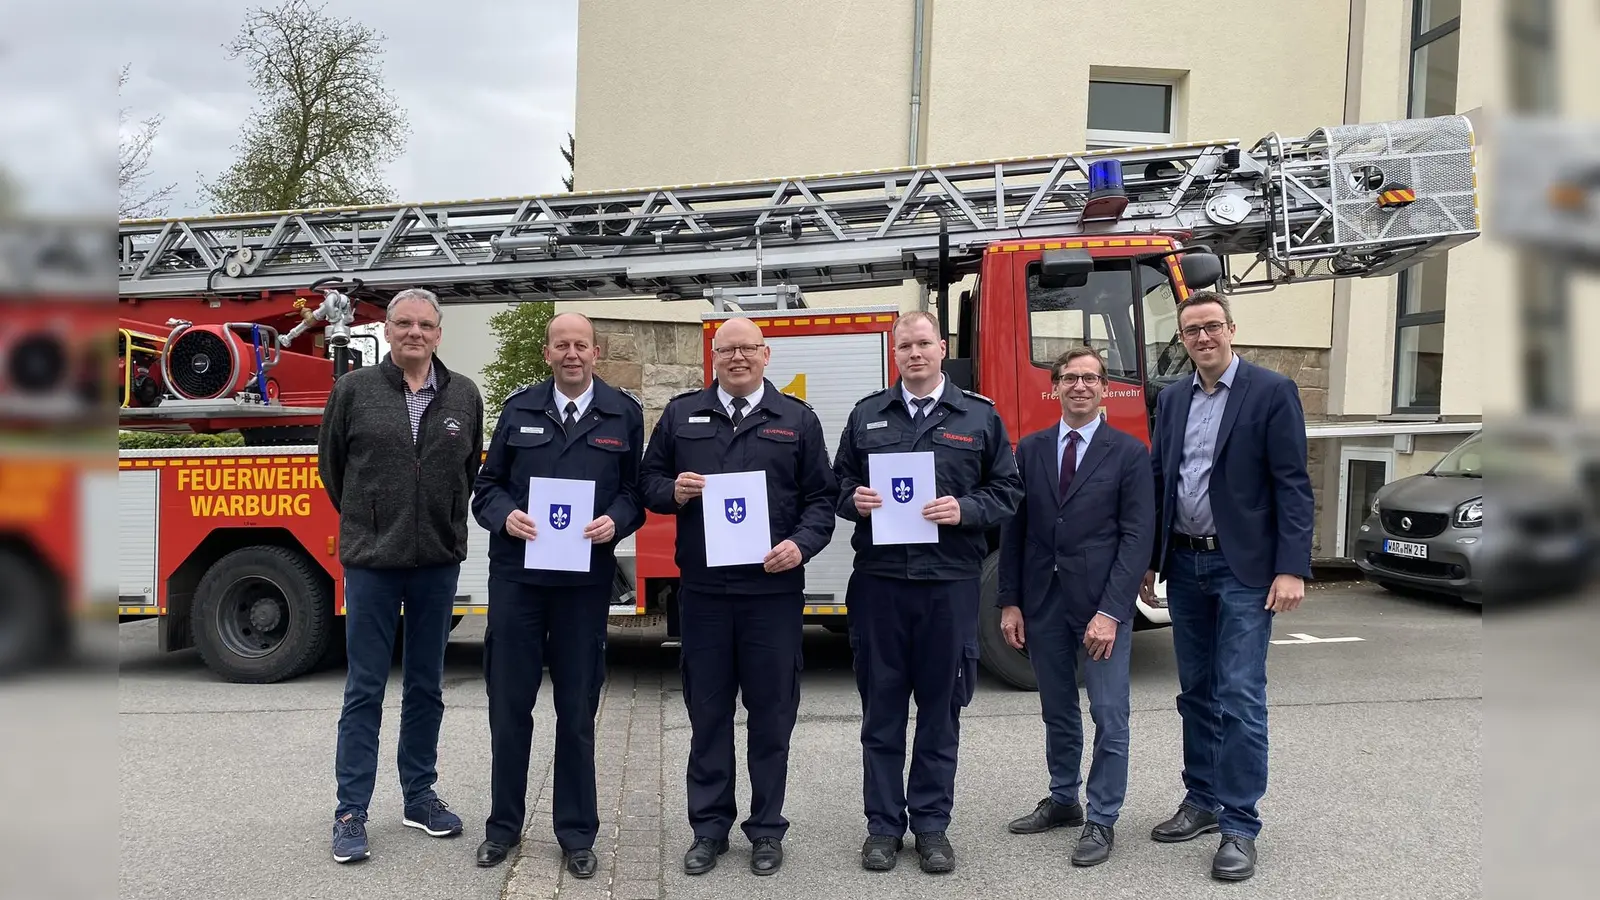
(745, 644)
(531, 627)
(912, 639)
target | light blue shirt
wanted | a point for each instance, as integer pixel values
(1199, 452)
(1085, 435)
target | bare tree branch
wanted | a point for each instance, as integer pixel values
(324, 125)
(133, 166)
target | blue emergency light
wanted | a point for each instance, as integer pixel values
(1105, 178)
(1107, 199)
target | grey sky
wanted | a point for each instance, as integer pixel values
(487, 85)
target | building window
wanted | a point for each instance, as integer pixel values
(1419, 331)
(1129, 113)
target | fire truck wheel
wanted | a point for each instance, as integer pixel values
(26, 623)
(262, 615)
(1006, 663)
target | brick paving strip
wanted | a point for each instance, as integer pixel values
(628, 777)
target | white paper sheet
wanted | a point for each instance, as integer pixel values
(905, 482)
(737, 527)
(560, 508)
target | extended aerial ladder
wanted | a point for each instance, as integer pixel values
(1344, 201)
(1347, 200)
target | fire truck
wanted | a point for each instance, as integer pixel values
(56, 475)
(242, 322)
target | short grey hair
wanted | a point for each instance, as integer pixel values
(422, 294)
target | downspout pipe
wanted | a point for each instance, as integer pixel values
(919, 28)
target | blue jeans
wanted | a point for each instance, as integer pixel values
(1221, 630)
(1056, 651)
(373, 599)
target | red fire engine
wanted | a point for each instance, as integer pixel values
(237, 552)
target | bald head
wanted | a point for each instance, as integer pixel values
(739, 356)
(570, 350)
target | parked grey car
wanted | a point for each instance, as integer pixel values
(1427, 531)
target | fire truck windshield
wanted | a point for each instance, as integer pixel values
(1101, 313)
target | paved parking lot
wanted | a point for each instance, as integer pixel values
(227, 790)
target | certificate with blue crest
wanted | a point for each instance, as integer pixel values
(560, 508)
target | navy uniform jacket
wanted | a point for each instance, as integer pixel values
(529, 442)
(972, 462)
(1098, 539)
(781, 436)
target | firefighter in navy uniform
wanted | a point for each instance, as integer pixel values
(914, 607)
(741, 624)
(572, 425)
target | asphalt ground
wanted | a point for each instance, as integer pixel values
(1376, 778)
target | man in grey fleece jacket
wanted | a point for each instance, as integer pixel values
(399, 448)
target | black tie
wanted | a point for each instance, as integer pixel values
(921, 415)
(739, 403)
(572, 417)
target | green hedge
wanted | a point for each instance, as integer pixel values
(156, 440)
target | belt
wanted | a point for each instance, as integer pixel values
(1194, 542)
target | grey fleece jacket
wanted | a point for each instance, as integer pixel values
(401, 504)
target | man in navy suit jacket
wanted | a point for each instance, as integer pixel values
(1234, 545)
(1070, 567)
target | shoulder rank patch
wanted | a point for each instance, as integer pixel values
(871, 396)
(798, 400)
(631, 396)
(977, 395)
(521, 390)
(687, 393)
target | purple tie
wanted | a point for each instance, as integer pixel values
(1069, 463)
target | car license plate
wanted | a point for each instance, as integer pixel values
(1406, 548)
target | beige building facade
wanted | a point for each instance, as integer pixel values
(1393, 371)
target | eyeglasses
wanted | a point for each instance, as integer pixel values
(1211, 328)
(408, 324)
(740, 349)
(1072, 378)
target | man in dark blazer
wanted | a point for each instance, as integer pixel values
(1069, 572)
(1234, 545)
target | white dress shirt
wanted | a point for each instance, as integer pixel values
(727, 399)
(582, 400)
(937, 393)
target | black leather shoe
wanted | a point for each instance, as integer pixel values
(1094, 845)
(581, 863)
(1186, 825)
(493, 853)
(937, 855)
(766, 855)
(1235, 859)
(878, 852)
(702, 855)
(1047, 815)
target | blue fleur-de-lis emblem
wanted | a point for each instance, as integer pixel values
(901, 488)
(734, 509)
(560, 516)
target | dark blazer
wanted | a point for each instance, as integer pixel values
(1098, 539)
(1260, 490)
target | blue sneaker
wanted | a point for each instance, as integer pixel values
(350, 838)
(434, 817)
